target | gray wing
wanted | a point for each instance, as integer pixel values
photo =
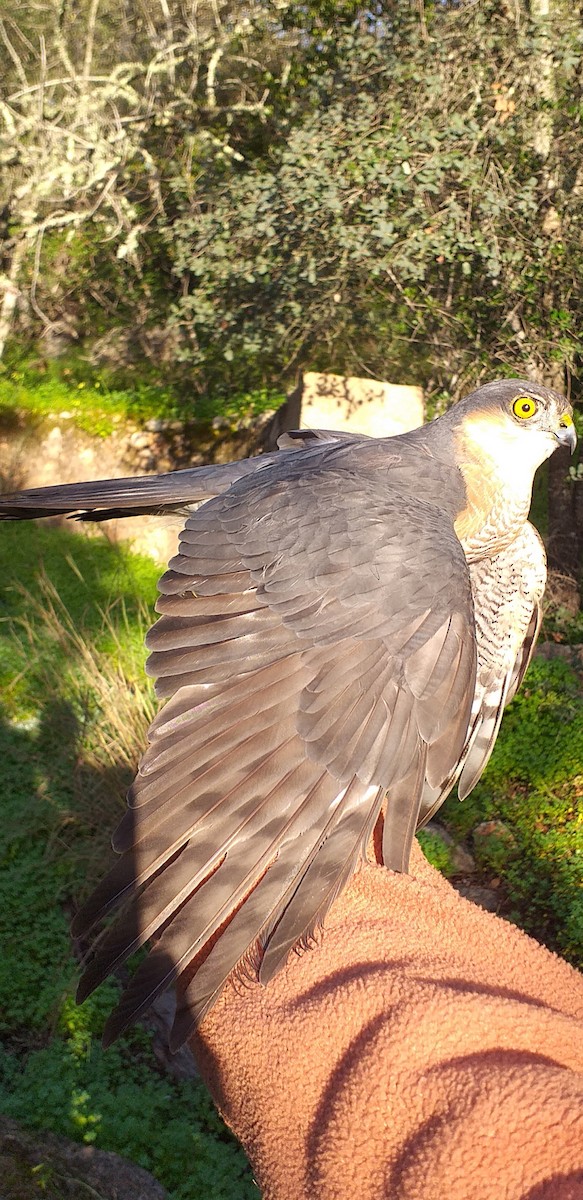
(317, 647)
(507, 591)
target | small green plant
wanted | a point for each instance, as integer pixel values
(436, 851)
(93, 407)
(98, 400)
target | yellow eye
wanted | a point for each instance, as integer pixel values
(524, 407)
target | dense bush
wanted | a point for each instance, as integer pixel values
(405, 225)
(391, 190)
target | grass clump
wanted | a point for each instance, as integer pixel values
(437, 851)
(94, 407)
(106, 593)
(117, 1101)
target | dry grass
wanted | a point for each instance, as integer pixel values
(113, 678)
(97, 707)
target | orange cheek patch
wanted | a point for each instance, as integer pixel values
(497, 459)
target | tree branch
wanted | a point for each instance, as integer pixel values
(16, 59)
(214, 60)
(90, 38)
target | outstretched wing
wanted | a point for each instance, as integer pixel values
(507, 590)
(317, 647)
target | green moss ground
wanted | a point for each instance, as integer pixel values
(534, 786)
(99, 400)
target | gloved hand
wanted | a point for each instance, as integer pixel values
(423, 1049)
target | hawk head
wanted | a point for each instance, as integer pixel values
(501, 433)
(522, 417)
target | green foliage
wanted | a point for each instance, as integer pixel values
(238, 405)
(436, 851)
(95, 408)
(534, 786)
(98, 583)
(117, 1101)
(562, 626)
(404, 202)
(60, 796)
(403, 225)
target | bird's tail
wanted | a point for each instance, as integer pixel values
(102, 499)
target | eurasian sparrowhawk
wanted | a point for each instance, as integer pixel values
(344, 622)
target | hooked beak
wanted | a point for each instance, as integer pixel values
(565, 434)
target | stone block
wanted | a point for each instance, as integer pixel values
(363, 405)
(322, 401)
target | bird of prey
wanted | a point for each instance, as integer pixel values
(339, 634)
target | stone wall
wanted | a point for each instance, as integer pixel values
(41, 453)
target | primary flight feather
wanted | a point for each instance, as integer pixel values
(340, 631)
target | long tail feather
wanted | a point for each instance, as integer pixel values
(104, 498)
(318, 888)
(403, 803)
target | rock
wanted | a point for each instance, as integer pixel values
(364, 405)
(221, 424)
(493, 829)
(462, 861)
(53, 443)
(139, 439)
(255, 423)
(484, 897)
(40, 1163)
(494, 844)
(371, 406)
